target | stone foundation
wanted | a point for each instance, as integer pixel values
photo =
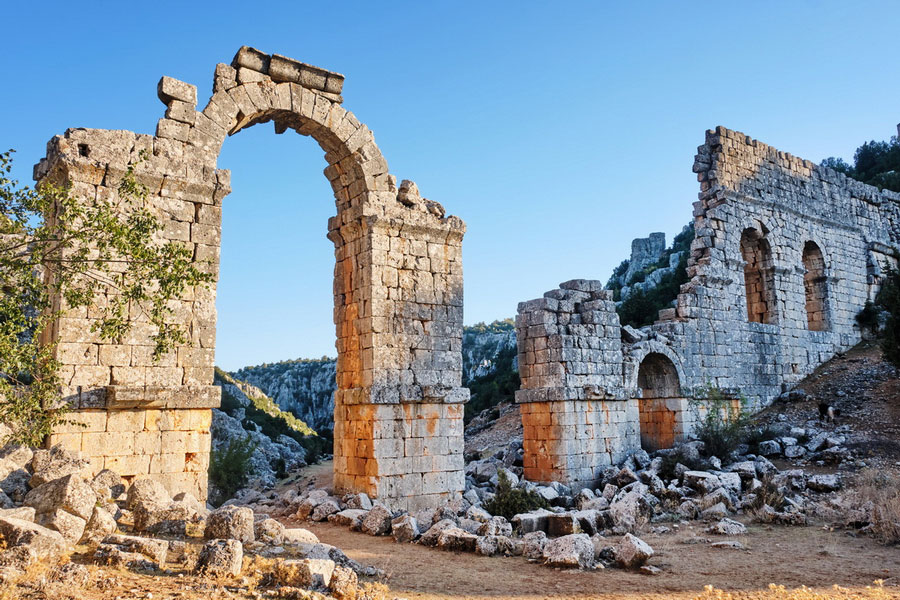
(170, 445)
(408, 453)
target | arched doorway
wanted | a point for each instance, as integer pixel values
(397, 289)
(661, 402)
(759, 277)
(815, 287)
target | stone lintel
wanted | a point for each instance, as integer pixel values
(283, 69)
(188, 396)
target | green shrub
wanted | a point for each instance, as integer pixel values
(722, 419)
(510, 501)
(228, 467)
(867, 318)
(889, 298)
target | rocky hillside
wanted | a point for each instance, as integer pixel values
(280, 442)
(302, 387)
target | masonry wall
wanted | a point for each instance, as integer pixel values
(397, 289)
(744, 321)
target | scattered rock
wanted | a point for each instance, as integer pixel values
(570, 551)
(221, 557)
(230, 522)
(632, 552)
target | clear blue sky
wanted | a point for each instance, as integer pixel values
(558, 132)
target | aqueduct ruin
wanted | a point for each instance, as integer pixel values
(397, 294)
(785, 256)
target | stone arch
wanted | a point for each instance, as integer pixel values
(397, 289)
(660, 402)
(641, 350)
(815, 284)
(759, 276)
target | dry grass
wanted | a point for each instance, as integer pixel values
(876, 499)
(779, 592)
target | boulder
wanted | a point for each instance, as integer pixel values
(702, 481)
(325, 509)
(769, 448)
(746, 470)
(632, 552)
(824, 483)
(221, 557)
(476, 513)
(156, 550)
(230, 523)
(359, 501)
(44, 543)
(562, 524)
(344, 583)
(794, 451)
(268, 531)
(70, 526)
(26, 513)
(404, 529)
(495, 526)
(70, 493)
(48, 465)
(714, 512)
(108, 484)
(306, 573)
(430, 537)
(116, 556)
(490, 545)
(728, 527)
(529, 522)
(533, 545)
(298, 535)
(351, 517)
(630, 512)
(13, 480)
(146, 492)
(574, 551)
(377, 521)
(456, 539)
(100, 525)
(171, 518)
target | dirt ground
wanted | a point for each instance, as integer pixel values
(793, 557)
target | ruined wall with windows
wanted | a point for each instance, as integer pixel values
(785, 256)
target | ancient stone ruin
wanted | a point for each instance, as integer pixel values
(397, 290)
(785, 256)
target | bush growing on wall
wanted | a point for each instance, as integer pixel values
(52, 242)
(722, 419)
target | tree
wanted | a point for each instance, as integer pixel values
(94, 252)
(875, 163)
(889, 299)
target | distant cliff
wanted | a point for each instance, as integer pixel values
(303, 387)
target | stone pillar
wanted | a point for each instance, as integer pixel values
(132, 414)
(577, 416)
(398, 430)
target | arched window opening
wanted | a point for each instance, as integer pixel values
(815, 285)
(759, 277)
(661, 391)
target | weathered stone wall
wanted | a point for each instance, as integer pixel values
(785, 256)
(398, 288)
